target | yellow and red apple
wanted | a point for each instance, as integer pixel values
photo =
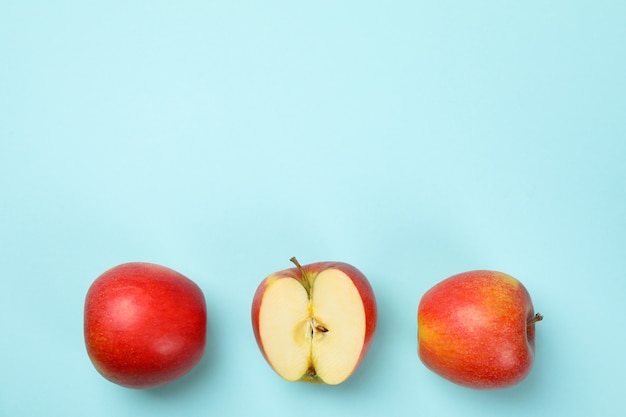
(314, 323)
(144, 325)
(477, 329)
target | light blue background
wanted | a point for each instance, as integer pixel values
(414, 140)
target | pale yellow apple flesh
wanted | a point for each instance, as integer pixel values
(317, 337)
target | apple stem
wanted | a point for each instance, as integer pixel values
(537, 317)
(295, 261)
(303, 279)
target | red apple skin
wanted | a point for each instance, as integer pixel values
(477, 330)
(144, 325)
(360, 281)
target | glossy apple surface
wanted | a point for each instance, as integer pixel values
(315, 323)
(477, 329)
(144, 325)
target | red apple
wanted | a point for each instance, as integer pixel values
(314, 323)
(145, 325)
(477, 329)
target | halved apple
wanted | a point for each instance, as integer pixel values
(315, 323)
